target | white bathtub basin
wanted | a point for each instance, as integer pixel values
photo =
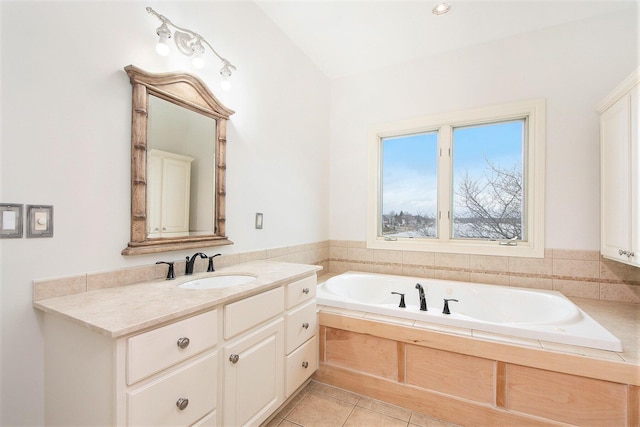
(527, 313)
(218, 282)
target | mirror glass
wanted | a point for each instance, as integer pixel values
(180, 171)
(178, 163)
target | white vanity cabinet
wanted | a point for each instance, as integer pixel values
(619, 172)
(232, 364)
(169, 189)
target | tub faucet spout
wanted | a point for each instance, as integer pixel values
(188, 268)
(423, 299)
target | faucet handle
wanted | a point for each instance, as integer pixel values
(170, 273)
(211, 268)
(445, 309)
(402, 305)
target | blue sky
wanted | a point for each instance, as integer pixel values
(410, 162)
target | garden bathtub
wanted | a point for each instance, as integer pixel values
(527, 313)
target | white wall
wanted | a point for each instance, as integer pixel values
(65, 136)
(66, 112)
(573, 66)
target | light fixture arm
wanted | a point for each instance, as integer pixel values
(190, 43)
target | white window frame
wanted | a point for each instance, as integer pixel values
(534, 168)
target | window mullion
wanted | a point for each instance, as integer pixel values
(445, 136)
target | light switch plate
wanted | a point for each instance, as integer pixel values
(39, 221)
(10, 220)
(259, 221)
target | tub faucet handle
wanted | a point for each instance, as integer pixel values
(171, 272)
(402, 305)
(445, 309)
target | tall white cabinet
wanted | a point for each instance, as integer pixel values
(169, 189)
(619, 172)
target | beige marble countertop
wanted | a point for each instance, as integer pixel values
(123, 310)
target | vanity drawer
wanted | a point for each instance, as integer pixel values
(301, 364)
(301, 291)
(301, 324)
(245, 314)
(156, 404)
(160, 348)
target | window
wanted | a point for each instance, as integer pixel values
(467, 182)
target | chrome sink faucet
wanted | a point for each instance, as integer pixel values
(423, 299)
(188, 268)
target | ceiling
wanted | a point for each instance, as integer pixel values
(349, 37)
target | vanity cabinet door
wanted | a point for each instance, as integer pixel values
(254, 376)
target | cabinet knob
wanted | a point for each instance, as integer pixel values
(305, 365)
(305, 291)
(183, 342)
(182, 403)
(234, 358)
(305, 325)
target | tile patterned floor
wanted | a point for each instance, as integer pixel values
(323, 405)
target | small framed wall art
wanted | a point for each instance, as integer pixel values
(39, 221)
(10, 220)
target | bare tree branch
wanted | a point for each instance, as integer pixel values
(489, 207)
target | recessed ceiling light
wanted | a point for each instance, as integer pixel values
(441, 9)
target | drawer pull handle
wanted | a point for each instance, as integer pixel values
(234, 358)
(182, 403)
(305, 365)
(305, 325)
(305, 291)
(183, 342)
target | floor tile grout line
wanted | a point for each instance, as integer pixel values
(316, 388)
(350, 413)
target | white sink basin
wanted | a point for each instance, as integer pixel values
(218, 282)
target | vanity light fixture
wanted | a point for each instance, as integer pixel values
(189, 43)
(441, 9)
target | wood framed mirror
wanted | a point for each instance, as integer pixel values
(178, 163)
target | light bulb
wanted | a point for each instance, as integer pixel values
(198, 62)
(441, 9)
(225, 72)
(163, 47)
(198, 51)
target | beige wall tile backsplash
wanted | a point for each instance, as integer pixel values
(574, 273)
